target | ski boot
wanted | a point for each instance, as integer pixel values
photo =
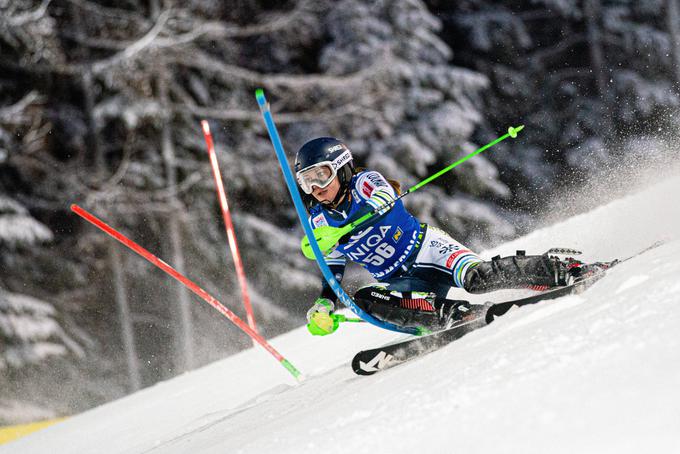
(537, 272)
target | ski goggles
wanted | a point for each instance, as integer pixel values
(322, 173)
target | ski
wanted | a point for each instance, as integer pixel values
(498, 309)
(368, 362)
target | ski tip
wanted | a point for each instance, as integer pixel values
(361, 368)
(514, 130)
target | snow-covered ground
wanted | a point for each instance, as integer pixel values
(594, 373)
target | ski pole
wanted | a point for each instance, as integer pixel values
(342, 318)
(189, 284)
(328, 236)
(229, 226)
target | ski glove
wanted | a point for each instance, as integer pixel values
(320, 318)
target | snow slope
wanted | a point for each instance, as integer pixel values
(594, 373)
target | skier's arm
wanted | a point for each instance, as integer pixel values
(336, 263)
(377, 192)
(320, 318)
(320, 313)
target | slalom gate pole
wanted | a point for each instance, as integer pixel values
(229, 226)
(302, 215)
(190, 285)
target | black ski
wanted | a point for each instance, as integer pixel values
(368, 362)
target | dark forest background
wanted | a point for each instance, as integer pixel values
(100, 104)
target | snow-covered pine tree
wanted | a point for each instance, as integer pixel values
(410, 112)
(105, 151)
(584, 76)
(29, 330)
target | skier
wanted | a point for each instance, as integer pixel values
(415, 264)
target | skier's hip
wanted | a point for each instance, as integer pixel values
(437, 263)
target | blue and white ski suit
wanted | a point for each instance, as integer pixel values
(393, 246)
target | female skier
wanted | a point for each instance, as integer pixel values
(415, 264)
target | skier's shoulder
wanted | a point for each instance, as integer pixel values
(368, 174)
(367, 180)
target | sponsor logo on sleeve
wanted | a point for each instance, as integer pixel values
(376, 179)
(366, 189)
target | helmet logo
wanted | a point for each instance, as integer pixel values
(336, 148)
(343, 159)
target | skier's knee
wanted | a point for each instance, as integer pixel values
(369, 295)
(408, 310)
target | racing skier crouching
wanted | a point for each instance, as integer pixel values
(415, 264)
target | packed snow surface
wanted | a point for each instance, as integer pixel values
(597, 372)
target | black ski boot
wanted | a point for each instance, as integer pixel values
(520, 271)
(537, 272)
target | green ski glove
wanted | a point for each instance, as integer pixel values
(320, 318)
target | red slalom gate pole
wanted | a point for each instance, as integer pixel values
(189, 284)
(229, 226)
